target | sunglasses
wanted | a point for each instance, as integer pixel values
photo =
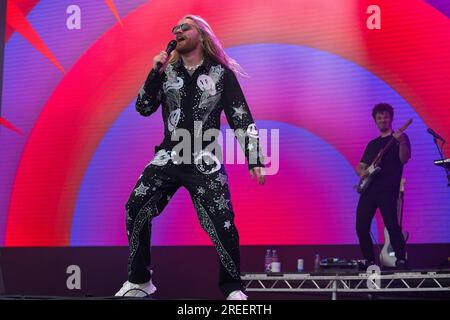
(182, 27)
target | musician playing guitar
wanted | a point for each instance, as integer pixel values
(383, 190)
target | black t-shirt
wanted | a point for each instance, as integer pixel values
(388, 179)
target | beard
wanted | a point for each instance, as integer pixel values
(186, 47)
(383, 128)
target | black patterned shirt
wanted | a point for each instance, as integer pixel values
(199, 99)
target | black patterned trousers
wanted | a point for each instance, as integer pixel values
(211, 198)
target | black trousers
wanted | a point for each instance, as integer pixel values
(367, 206)
(211, 198)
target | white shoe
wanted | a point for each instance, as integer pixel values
(237, 295)
(130, 289)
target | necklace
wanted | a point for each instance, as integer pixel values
(193, 68)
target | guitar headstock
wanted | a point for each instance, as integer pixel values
(406, 125)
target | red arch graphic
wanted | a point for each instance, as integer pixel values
(93, 93)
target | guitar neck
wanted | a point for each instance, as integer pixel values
(380, 155)
(383, 151)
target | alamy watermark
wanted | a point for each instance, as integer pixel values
(208, 159)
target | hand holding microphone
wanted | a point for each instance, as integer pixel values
(160, 60)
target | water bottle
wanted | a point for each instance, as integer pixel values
(275, 266)
(274, 256)
(267, 261)
(317, 263)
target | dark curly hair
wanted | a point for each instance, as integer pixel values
(381, 108)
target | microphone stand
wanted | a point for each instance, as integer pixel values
(445, 166)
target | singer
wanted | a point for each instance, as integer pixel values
(194, 83)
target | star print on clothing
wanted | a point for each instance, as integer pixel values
(141, 190)
(223, 179)
(250, 147)
(239, 112)
(158, 183)
(227, 224)
(212, 184)
(201, 191)
(223, 203)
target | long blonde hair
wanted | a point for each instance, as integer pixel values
(211, 46)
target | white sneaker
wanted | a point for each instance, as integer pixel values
(130, 289)
(237, 295)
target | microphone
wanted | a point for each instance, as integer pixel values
(170, 47)
(435, 135)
